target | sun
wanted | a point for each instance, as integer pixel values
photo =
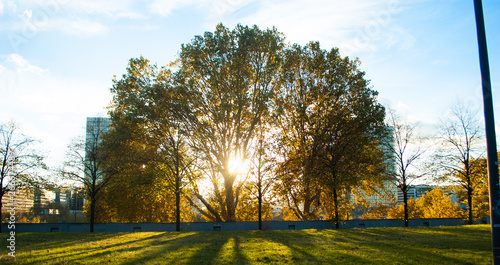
(237, 165)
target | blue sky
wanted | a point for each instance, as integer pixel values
(58, 57)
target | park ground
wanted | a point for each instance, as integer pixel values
(417, 245)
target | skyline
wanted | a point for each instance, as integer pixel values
(58, 58)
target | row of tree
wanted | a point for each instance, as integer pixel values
(304, 118)
(242, 117)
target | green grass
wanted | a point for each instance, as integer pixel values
(429, 245)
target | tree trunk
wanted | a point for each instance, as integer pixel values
(260, 205)
(307, 207)
(307, 215)
(177, 205)
(92, 214)
(469, 204)
(230, 201)
(1, 215)
(336, 203)
(405, 204)
(177, 195)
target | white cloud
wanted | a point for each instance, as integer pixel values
(28, 14)
(12, 5)
(165, 8)
(354, 26)
(403, 110)
(130, 15)
(88, 7)
(50, 108)
(402, 107)
(35, 90)
(214, 9)
(22, 65)
(86, 27)
(221, 8)
(1, 7)
(82, 18)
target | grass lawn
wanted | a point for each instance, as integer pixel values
(419, 245)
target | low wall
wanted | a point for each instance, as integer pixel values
(221, 226)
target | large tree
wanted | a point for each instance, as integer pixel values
(298, 143)
(461, 136)
(230, 77)
(19, 161)
(353, 123)
(148, 110)
(231, 90)
(331, 124)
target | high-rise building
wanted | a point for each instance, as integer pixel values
(96, 126)
(387, 194)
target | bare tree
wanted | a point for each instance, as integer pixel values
(405, 149)
(19, 161)
(461, 133)
(86, 164)
(262, 167)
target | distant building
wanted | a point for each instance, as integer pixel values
(385, 196)
(39, 202)
(21, 199)
(389, 192)
(415, 192)
(96, 126)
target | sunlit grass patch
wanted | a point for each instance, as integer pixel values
(424, 245)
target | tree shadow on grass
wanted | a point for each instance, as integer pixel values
(414, 246)
(168, 247)
(240, 257)
(196, 248)
(307, 248)
(360, 246)
(219, 252)
(51, 245)
(162, 246)
(58, 240)
(354, 246)
(96, 247)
